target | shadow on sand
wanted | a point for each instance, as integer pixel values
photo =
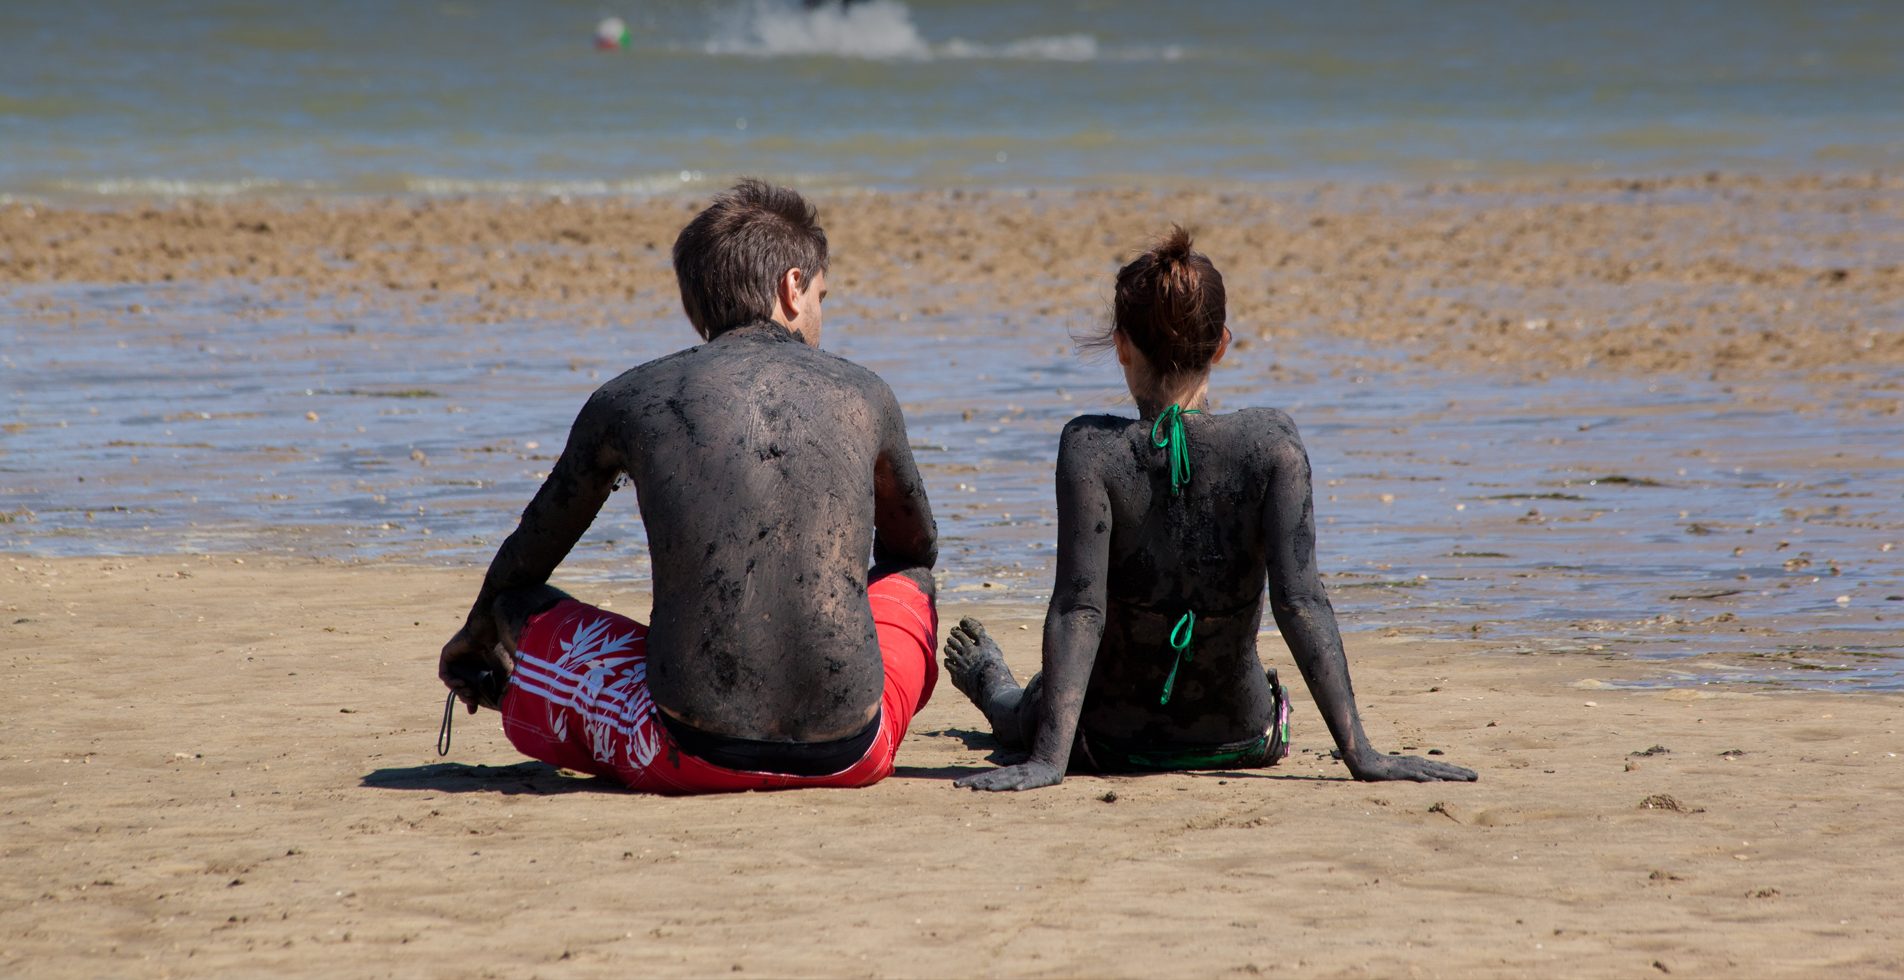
(538, 778)
(974, 741)
(945, 774)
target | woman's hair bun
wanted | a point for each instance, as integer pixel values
(1170, 303)
(1173, 247)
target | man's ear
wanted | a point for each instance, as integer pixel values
(787, 295)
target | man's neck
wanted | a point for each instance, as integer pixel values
(764, 329)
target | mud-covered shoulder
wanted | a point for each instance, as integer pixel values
(855, 373)
(1088, 428)
(850, 374)
(1272, 432)
(644, 376)
(1269, 422)
(1089, 438)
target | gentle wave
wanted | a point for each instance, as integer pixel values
(883, 30)
(426, 186)
(633, 186)
(879, 29)
(174, 187)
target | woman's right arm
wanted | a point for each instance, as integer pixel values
(1074, 622)
(1307, 621)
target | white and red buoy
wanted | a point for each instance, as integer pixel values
(611, 35)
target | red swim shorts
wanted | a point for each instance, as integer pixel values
(579, 698)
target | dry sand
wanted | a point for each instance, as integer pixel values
(214, 768)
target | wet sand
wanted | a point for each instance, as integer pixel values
(216, 768)
(1732, 274)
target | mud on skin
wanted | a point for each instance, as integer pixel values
(1132, 559)
(766, 471)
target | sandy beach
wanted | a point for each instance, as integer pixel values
(216, 767)
(223, 762)
(1591, 318)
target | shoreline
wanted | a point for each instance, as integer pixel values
(191, 808)
(1506, 181)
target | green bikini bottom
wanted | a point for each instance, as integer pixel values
(1098, 753)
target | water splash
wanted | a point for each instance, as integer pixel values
(1065, 47)
(880, 29)
(876, 30)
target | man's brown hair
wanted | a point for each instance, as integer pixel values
(730, 258)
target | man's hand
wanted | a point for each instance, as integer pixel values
(1386, 768)
(474, 670)
(1028, 775)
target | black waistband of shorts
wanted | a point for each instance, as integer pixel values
(783, 758)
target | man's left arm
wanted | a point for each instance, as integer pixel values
(904, 534)
(561, 512)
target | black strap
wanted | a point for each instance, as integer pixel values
(449, 715)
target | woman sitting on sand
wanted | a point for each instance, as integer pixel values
(1168, 527)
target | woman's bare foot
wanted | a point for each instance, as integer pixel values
(976, 666)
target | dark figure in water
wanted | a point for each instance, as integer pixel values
(1168, 528)
(767, 471)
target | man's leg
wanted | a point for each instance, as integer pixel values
(920, 575)
(906, 617)
(578, 698)
(514, 607)
(977, 669)
(907, 623)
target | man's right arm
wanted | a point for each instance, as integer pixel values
(562, 510)
(904, 534)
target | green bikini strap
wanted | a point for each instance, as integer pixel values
(1180, 636)
(1174, 443)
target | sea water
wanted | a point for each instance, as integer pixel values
(114, 98)
(1570, 516)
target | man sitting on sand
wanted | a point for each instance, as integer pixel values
(767, 472)
(1169, 526)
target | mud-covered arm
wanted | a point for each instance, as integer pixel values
(555, 519)
(1074, 622)
(904, 533)
(1307, 622)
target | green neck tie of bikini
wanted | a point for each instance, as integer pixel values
(1167, 434)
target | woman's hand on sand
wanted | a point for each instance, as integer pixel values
(1025, 775)
(1408, 768)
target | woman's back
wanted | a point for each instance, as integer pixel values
(1169, 528)
(1201, 547)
